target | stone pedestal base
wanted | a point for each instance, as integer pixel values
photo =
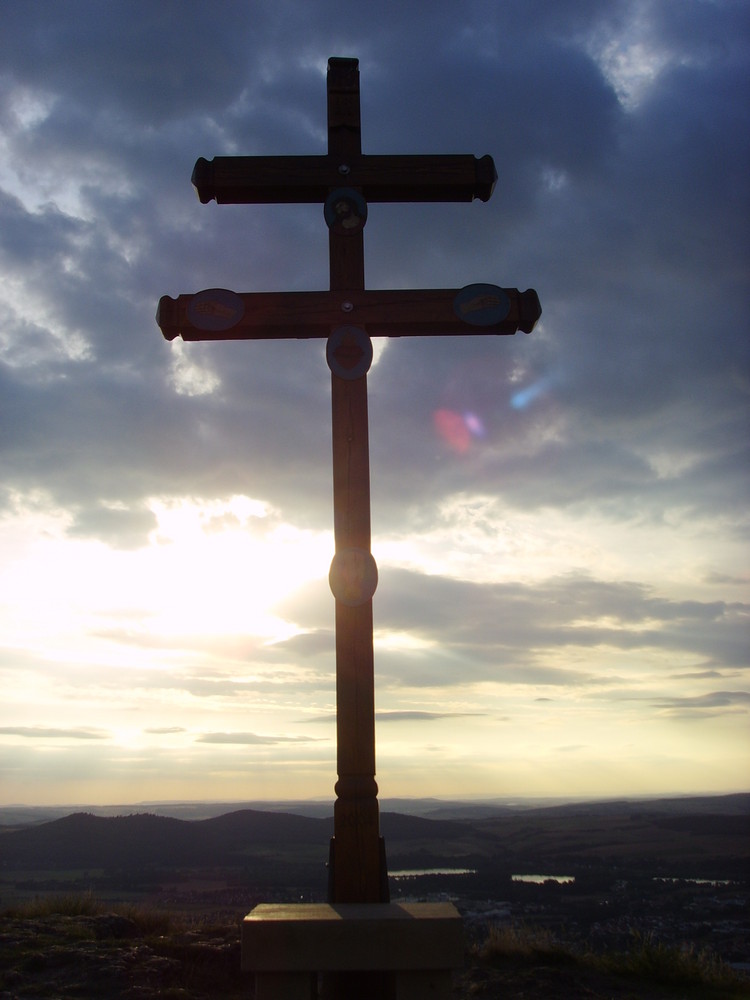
(417, 944)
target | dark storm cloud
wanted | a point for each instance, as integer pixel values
(629, 221)
(123, 61)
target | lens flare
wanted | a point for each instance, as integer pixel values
(475, 424)
(452, 429)
(458, 430)
(526, 396)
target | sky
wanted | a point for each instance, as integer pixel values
(560, 520)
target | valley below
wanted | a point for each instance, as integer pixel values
(595, 877)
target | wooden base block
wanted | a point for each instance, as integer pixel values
(285, 986)
(416, 944)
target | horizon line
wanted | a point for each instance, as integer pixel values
(321, 800)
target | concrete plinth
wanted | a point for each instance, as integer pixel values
(286, 945)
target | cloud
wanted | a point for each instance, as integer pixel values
(716, 703)
(402, 715)
(512, 632)
(698, 675)
(632, 187)
(517, 620)
(41, 732)
(417, 716)
(251, 739)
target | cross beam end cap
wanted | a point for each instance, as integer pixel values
(530, 310)
(203, 180)
(164, 315)
(342, 62)
(486, 178)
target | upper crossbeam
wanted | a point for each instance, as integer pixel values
(254, 180)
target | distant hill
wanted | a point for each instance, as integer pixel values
(658, 834)
(85, 841)
(17, 816)
(82, 840)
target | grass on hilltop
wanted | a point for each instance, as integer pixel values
(148, 920)
(694, 972)
(203, 949)
(699, 970)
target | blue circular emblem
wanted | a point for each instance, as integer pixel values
(481, 305)
(215, 309)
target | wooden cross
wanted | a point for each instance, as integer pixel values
(345, 181)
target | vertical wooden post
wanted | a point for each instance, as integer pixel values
(345, 178)
(357, 875)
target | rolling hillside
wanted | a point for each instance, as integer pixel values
(653, 834)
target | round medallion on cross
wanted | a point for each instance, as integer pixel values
(215, 309)
(345, 212)
(349, 352)
(481, 304)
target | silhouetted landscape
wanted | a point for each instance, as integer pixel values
(594, 876)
